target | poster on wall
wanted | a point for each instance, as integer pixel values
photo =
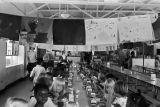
(101, 31)
(41, 29)
(10, 26)
(15, 50)
(135, 28)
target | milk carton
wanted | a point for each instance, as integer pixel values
(153, 76)
(108, 64)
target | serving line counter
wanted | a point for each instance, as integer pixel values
(148, 68)
(138, 78)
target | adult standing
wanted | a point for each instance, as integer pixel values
(32, 56)
(46, 60)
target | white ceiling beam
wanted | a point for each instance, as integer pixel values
(85, 10)
(54, 15)
(122, 14)
(112, 15)
(49, 9)
(36, 9)
(80, 2)
(82, 11)
(18, 8)
(111, 11)
(75, 10)
(69, 17)
(97, 11)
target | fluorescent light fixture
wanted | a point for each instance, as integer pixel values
(111, 1)
(65, 15)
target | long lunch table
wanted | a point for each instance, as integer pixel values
(155, 84)
(148, 69)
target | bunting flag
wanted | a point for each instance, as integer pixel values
(135, 29)
(84, 48)
(78, 48)
(45, 46)
(58, 47)
(101, 31)
(71, 48)
(109, 47)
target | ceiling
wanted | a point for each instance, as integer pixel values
(84, 9)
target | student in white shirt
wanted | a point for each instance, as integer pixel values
(32, 56)
(37, 70)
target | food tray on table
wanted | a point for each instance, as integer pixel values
(97, 102)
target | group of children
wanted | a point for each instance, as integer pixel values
(115, 89)
(49, 87)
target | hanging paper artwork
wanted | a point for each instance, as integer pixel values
(135, 29)
(101, 31)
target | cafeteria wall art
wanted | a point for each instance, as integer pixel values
(41, 30)
(10, 26)
(101, 31)
(135, 29)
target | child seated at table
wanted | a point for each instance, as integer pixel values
(120, 94)
(46, 79)
(16, 102)
(59, 88)
(41, 97)
(49, 69)
(137, 100)
(109, 91)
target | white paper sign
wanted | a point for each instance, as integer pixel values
(135, 28)
(101, 31)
